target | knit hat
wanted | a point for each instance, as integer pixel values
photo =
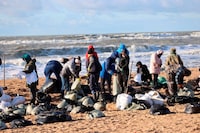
(77, 61)
(91, 48)
(139, 63)
(159, 52)
(173, 50)
(26, 57)
(121, 48)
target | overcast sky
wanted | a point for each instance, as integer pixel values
(54, 17)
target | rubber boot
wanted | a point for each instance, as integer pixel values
(94, 96)
(62, 94)
(97, 95)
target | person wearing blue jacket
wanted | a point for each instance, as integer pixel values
(55, 67)
(117, 53)
(108, 69)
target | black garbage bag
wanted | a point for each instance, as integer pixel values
(192, 108)
(50, 86)
(52, 116)
(17, 123)
(42, 97)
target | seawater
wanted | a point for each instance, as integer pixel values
(140, 46)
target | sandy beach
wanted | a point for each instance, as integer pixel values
(115, 121)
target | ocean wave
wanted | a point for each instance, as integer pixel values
(140, 46)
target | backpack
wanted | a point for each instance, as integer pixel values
(186, 72)
(96, 66)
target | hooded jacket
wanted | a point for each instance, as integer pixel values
(155, 64)
(30, 69)
(92, 51)
(173, 62)
(70, 68)
(116, 53)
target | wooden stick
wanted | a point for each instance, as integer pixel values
(4, 71)
(129, 76)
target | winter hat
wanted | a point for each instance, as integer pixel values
(121, 48)
(90, 47)
(139, 63)
(173, 50)
(159, 52)
(77, 61)
(26, 57)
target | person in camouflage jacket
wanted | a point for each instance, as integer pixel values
(172, 63)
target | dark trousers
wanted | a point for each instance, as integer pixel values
(155, 80)
(123, 81)
(102, 84)
(172, 86)
(94, 82)
(33, 89)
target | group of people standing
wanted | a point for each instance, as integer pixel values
(173, 67)
(174, 70)
(100, 75)
(117, 64)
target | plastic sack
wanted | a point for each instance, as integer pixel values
(4, 105)
(76, 84)
(152, 98)
(156, 98)
(71, 95)
(18, 100)
(95, 114)
(29, 109)
(5, 98)
(2, 124)
(137, 78)
(185, 92)
(145, 97)
(123, 100)
(50, 86)
(116, 86)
